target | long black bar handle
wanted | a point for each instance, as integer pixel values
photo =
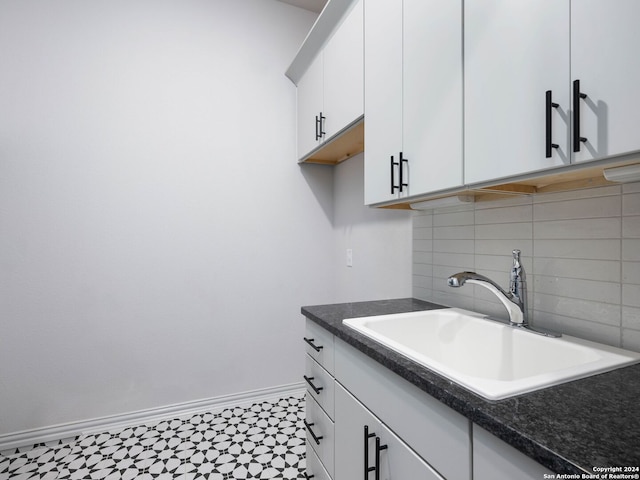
(379, 448)
(367, 468)
(317, 127)
(394, 187)
(317, 348)
(577, 95)
(322, 119)
(401, 168)
(310, 382)
(549, 146)
(316, 438)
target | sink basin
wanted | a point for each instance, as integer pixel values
(488, 357)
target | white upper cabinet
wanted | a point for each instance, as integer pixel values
(514, 53)
(413, 97)
(343, 74)
(310, 102)
(432, 94)
(382, 98)
(330, 93)
(604, 59)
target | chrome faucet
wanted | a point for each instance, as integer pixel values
(515, 300)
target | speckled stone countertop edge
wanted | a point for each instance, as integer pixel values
(484, 413)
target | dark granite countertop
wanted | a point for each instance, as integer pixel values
(570, 428)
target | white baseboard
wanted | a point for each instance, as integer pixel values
(46, 434)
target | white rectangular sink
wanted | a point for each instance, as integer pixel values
(490, 358)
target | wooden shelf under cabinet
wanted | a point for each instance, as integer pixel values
(344, 145)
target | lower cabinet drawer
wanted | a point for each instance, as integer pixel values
(320, 385)
(315, 469)
(320, 433)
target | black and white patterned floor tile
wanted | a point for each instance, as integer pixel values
(262, 441)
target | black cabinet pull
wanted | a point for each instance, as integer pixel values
(548, 111)
(315, 389)
(577, 95)
(379, 448)
(322, 119)
(394, 187)
(315, 437)
(317, 127)
(307, 476)
(401, 168)
(317, 348)
(367, 468)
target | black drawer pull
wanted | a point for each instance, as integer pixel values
(317, 348)
(401, 168)
(549, 146)
(379, 448)
(315, 437)
(315, 389)
(367, 468)
(577, 95)
(394, 187)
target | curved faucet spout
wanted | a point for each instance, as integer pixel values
(514, 304)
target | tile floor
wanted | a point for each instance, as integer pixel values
(261, 441)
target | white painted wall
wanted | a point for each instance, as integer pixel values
(380, 240)
(157, 238)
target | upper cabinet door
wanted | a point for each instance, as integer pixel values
(604, 40)
(382, 97)
(432, 94)
(343, 73)
(310, 104)
(514, 53)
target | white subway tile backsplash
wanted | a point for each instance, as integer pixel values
(465, 232)
(631, 249)
(582, 208)
(453, 218)
(576, 327)
(582, 228)
(422, 233)
(607, 292)
(453, 246)
(631, 339)
(423, 269)
(422, 257)
(631, 317)
(511, 214)
(597, 249)
(631, 272)
(457, 262)
(631, 204)
(606, 313)
(631, 227)
(603, 270)
(504, 247)
(422, 245)
(631, 187)
(421, 220)
(581, 253)
(504, 231)
(631, 295)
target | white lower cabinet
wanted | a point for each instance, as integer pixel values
(365, 448)
(315, 469)
(320, 433)
(493, 459)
